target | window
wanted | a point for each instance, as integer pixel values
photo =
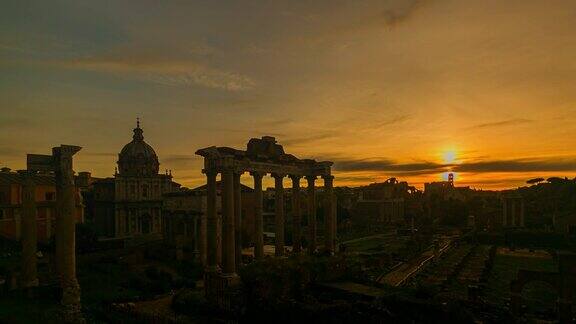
(145, 191)
(133, 189)
(3, 197)
(1, 213)
(49, 196)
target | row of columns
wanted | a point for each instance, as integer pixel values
(232, 218)
(65, 255)
(511, 216)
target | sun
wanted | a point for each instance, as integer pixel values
(449, 156)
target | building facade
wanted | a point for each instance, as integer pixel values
(11, 192)
(382, 203)
(129, 205)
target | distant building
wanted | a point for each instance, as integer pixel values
(11, 204)
(382, 203)
(185, 211)
(446, 190)
(129, 205)
(512, 210)
(182, 217)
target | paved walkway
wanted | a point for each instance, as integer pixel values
(401, 274)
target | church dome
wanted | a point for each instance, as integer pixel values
(137, 157)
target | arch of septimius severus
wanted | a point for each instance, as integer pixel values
(262, 156)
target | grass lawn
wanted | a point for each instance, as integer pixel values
(375, 243)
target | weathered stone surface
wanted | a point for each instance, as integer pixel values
(262, 156)
(29, 231)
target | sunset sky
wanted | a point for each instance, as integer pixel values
(399, 88)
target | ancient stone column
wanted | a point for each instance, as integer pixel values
(228, 242)
(196, 235)
(258, 218)
(311, 214)
(504, 213)
(521, 212)
(66, 227)
(29, 235)
(329, 217)
(514, 213)
(279, 214)
(202, 237)
(296, 215)
(211, 222)
(564, 310)
(238, 219)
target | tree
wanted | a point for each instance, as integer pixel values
(535, 181)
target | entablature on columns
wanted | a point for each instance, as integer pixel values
(262, 156)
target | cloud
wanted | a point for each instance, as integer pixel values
(10, 152)
(503, 123)
(100, 154)
(559, 164)
(394, 16)
(385, 165)
(180, 158)
(250, 132)
(297, 141)
(164, 70)
(393, 121)
(520, 165)
(8, 122)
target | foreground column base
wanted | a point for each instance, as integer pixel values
(30, 283)
(71, 311)
(72, 314)
(220, 289)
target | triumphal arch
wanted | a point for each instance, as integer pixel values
(262, 156)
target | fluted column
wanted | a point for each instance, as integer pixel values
(258, 218)
(211, 222)
(29, 236)
(329, 217)
(311, 214)
(279, 214)
(296, 215)
(66, 226)
(238, 219)
(228, 242)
